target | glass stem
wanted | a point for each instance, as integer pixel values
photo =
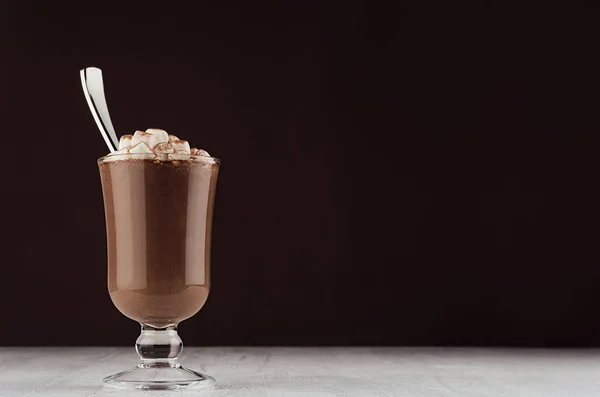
(158, 347)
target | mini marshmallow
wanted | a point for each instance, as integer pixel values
(164, 148)
(181, 146)
(161, 135)
(141, 147)
(146, 137)
(199, 152)
(173, 138)
(125, 141)
(125, 150)
(178, 156)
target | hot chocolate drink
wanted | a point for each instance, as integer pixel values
(158, 202)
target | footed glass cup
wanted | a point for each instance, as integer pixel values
(158, 225)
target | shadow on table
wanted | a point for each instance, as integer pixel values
(295, 386)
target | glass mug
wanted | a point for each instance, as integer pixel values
(158, 226)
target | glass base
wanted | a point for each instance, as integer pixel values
(158, 377)
(159, 369)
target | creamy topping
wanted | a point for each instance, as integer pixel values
(158, 142)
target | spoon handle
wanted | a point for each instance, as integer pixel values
(93, 89)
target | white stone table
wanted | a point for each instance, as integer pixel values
(317, 372)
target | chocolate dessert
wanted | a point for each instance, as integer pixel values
(158, 210)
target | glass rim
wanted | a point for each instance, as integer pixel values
(153, 156)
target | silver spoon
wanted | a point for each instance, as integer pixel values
(93, 89)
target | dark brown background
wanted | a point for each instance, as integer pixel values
(408, 172)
